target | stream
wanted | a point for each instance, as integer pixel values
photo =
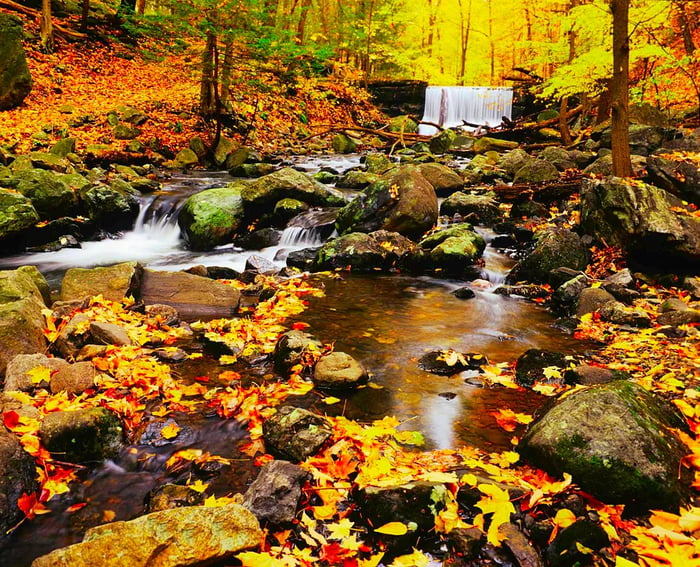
(385, 321)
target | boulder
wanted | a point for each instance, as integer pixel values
(677, 174)
(377, 163)
(183, 159)
(356, 179)
(169, 496)
(401, 201)
(109, 334)
(512, 161)
(616, 441)
(274, 495)
(211, 217)
(15, 79)
(343, 144)
(49, 195)
(17, 214)
(488, 144)
(17, 478)
(364, 252)
(442, 142)
(193, 535)
(555, 248)
(109, 207)
(82, 436)
(73, 378)
(287, 209)
(572, 546)
(17, 374)
(290, 348)
(223, 150)
(644, 139)
(263, 193)
(592, 299)
(338, 370)
(558, 157)
(645, 221)
(113, 282)
(476, 209)
(565, 298)
(295, 433)
(603, 166)
(454, 249)
(50, 162)
(530, 366)
(536, 171)
(193, 297)
(403, 123)
(444, 180)
(63, 147)
(21, 319)
(589, 375)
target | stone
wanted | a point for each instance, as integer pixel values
(536, 171)
(558, 157)
(356, 179)
(259, 239)
(592, 299)
(344, 144)
(109, 334)
(677, 318)
(512, 161)
(17, 214)
(589, 375)
(641, 219)
(113, 283)
(109, 207)
(260, 265)
(528, 209)
(364, 252)
(125, 132)
(555, 248)
(287, 209)
(377, 163)
(73, 378)
(274, 495)
(463, 545)
(169, 496)
(338, 370)
(616, 441)
(193, 297)
(194, 535)
(401, 201)
(449, 362)
(444, 180)
(291, 346)
(39, 281)
(442, 142)
(184, 159)
(50, 162)
(82, 436)
(15, 78)
(464, 293)
(454, 249)
(565, 298)
(17, 377)
(487, 144)
(530, 366)
(50, 197)
(476, 209)
(678, 176)
(567, 548)
(620, 314)
(403, 123)
(410, 504)
(223, 150)
(519, 545)
(17, 478)
(295, 434)
(602, 166)
(212, 217)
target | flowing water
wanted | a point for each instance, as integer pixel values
(385, 321)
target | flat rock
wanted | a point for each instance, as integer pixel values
(113, 282)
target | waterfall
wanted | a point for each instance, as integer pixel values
(452, 106)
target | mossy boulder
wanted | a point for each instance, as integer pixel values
(356, 179)
(114, 283)
(212, 217)
(401, 201)
(442, 142)
(444, 180)
(344, 144)
(454, 250)
(536, 171)
(15, 79)
(365, 251)
(616, 441)
(555, 248)
(488, 144)
(109, 207)
(17, 214)
(404, 124)
(680, 177)
(512, 161)
(49, 195)
(478, 209)
(295, 433)
(287, 183)
(643, 220)
(558, 157)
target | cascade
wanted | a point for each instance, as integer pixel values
(452, 106)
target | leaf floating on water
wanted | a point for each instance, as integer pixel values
(393, 528)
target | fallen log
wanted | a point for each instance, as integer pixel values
(543, 192)
(58, 28)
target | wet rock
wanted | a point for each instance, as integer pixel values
(616, 441)
(16, 80)
(536, 171)
(641, 220)
(565, 298)
(21, 318)
(17, 377)
(17, 214)
(589, 375)
(487, 144)
(643, 138)
(171, 355)
(692, 284)
(512, 161)
(677, 318)
(295, 434)
(169, 496)
(410, 504)
(593, 299)
(463, 545)
(680, 177)
(363, 252)
(338, 370)
(259, 239)
(114, 283)
(449, 362)
(403, 123)
(212, 217)
(193, 297)
(620, 314)
(529, 291)
(622, 293)
(303, 259)
(519, 546)
(287, 209)
(290, 348)
(566, 549)
(109, 334)
(442, 142)
(50, 197)
(602, 166)
(167, 432)
(401, 201)
(530, 366)
(82, 436)
(356, 179)
(444, 180)
(110, 207)
(73, 378)
(259, 265)
(464, 293)
(185, 158)
(194, 535)
(343, 144)
(17, 477)
(476, 209)
(377, 163)
(160, 314)
(274, 495)
(558, 157)
(454, 248)
(528, 209)
(554, 248)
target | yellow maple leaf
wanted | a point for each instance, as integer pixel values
(39, 374)
(497, 501)
(170, 431)
(415, 559)
(340, 529)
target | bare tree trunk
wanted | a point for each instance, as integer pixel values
(301, 25)
(464, 29)
(622, 166)
(84, 16)
(46, 28)
(226, 68)
(208, 85)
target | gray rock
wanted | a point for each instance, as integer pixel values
(616, 441)
(558, 157)
(194, 535)
(114, 283)
(536, 171)
(569, 547)
(476, 209)
(82, 436)
(109, 334)
(17, 377)
(512, 161)
(274, 495)
(17, 477)
(593, 299)
(519, 545)
(565, 298)
(338, 370)
(291, 346)
(15, 79)
(677, 318)
(295, 433)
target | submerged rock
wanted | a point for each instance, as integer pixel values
(615, 441)
(295, 433)
(530, 366)
(290, 348)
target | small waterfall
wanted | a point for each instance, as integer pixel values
(300, 237)
(452, 106)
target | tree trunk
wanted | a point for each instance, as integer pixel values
(84, 16)
(208, 85)
(464, 29)
(622, 166)
(46, 29)
(301, 25)
(226, 68)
